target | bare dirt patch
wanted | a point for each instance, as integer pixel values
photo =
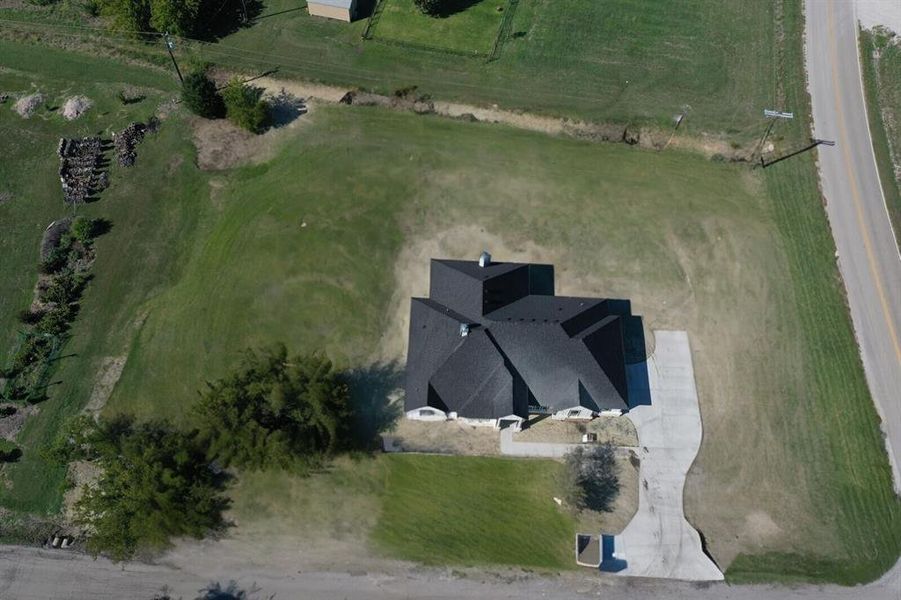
(14, 419)
(442, 437)
(222, 145)
(107, 378)
(618, 431)
(81, 473)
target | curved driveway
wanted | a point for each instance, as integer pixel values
(868, 253)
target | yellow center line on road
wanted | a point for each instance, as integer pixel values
(855, 192)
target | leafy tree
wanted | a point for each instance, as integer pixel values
(200, 96)
(244, 105)
(591, 480)
(85, 229)
(127, 15)
(156, 483)
(275, 411)
(179, 17)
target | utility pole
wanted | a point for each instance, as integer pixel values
(773, 116)
(169, 46)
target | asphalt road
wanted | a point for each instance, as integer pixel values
(867, 250)
(34, 574)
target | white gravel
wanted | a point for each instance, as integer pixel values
(26, 105)
(76, 106)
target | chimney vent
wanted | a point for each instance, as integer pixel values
(464, 329)
(484, 259)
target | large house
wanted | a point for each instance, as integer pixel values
(492, 344)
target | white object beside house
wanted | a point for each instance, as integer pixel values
(340, 10)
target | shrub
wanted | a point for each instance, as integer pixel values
(244, 106)
(55, 260)
(275, 411)
(591, 478)
(9, 452)
(29, 317)
(200, 96)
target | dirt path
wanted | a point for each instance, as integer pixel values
(32, 574)
(598, 132)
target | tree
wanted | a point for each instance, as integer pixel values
(244, 105)
(275, 411)
(156, 483)
(179, 17)
(9, 452)
(591, 480)
(127, 15)
(200, 96)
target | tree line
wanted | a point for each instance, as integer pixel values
(160, 481)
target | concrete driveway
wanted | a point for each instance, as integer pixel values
(659, 542)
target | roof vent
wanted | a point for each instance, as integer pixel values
(464, 329)
(484, 259)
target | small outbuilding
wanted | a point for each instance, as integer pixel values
(341, 10)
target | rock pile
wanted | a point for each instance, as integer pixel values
(75, 106)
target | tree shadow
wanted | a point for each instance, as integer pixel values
(229, 17)
(285, 108)
(374, 402)
(452, 7)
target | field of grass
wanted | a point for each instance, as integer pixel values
(638, 61)
(881, 63)
(469, 31)
(740, 258)
(150, 216)
(471, 511)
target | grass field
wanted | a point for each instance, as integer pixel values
(638, 61)
(483, 511)
(881, 64)
(792, 481)
(469, 31)
(439, 510)
(149, 213)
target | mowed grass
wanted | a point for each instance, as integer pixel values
(469, 31)
(881, 66)
(150, 206)
(635, 61)
(474, 511)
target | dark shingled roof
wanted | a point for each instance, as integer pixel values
(523, 343)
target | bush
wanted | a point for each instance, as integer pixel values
(275, 411)
(9, 452)
(244, 106)
(200, 96)
(591, 478)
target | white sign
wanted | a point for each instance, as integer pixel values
(778, 115)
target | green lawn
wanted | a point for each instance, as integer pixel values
(881, 62)
(151, 207)
(192, 273)
(472, 511)
(469, 31)
(638, 61)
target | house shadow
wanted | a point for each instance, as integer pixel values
(609, 563)
(374, 402)
(364, 9)
(635, 353)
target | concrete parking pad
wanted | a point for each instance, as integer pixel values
(659, 542)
